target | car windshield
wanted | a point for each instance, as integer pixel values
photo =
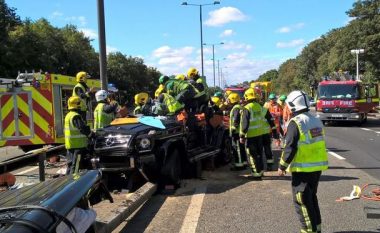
(338, 91)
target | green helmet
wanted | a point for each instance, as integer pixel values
(283, 97)
(272, 96)
(218, 94)
(163, 79)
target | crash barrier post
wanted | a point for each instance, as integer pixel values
(30, 158)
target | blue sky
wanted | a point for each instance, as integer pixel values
(258, 35)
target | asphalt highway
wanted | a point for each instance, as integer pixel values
(230, 201)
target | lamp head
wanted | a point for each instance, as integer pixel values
(184, 4)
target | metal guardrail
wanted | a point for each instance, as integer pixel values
(29, 158)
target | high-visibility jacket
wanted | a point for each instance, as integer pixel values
(101, 118)
(84, 102)
(265, 126)
(174, 87)
(172, 104)
(235, 126)
(137, 110)
(255, 119)
(311, 152)
(74, 139)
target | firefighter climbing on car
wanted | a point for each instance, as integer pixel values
(82, 91)
(104, 112)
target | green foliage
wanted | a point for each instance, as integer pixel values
(270, 75)
(8, 20)
(332, 52)
(131, 74)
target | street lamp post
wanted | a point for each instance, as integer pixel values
(102, 46)
(200, 18)
(357, 51)
(219, 74)
(213, 57)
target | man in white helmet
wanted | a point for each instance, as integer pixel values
(104, 112)
(305, 156)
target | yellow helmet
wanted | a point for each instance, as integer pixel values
(227, 93)
(250, 94)
(234, 98)
(159, 90)
(82, 77)
(216, 100)
(74, 103)
(192, 72)
(180, 77)
(141, 98)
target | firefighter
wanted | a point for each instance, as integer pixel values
(181, 77)
(112, 101)
(83, 92)
(305, 156)
(251, 131)
(142, 104)
(267, 127)
(159, 90)
(217, 101)
(201, 87)
(276, 112)
(168, 105)
(76, 135)
(182, 91)
(104, 112)
(281, 101)
(239, 148)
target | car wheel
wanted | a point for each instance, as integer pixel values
(226, 153)
(172, 170)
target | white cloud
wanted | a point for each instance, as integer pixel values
(56, 14)
(228, 32)
(111, 49)
(236, 67)
(78, 20)
(231, 45)
(89, 33)
(225, 15)
(290, 28)
(291, 44)
(165, 34)
(166, 51)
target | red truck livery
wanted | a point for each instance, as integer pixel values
(346, 100)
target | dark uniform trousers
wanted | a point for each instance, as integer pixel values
(254, 147)
(76, 159)
(267, 146)
(304, 187)
(238, 149)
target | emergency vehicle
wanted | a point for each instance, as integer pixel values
(346, 100)
(263, 89)
(33, 108)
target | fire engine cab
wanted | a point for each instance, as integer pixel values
(346, 100)
(33, 108)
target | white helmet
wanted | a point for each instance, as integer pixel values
(297, 101)
(101, 95)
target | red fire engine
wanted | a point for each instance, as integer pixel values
(346, 100)
(33, 107)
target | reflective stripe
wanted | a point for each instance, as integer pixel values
(76, 136)
(304, 212)
(311, 153)
(303, 165)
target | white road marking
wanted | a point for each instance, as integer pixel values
(26, 171)
(190, 221)
(336, 155)
(371, 130)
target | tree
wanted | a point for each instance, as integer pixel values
(8, 20)
(130, 73)
(270, 75)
